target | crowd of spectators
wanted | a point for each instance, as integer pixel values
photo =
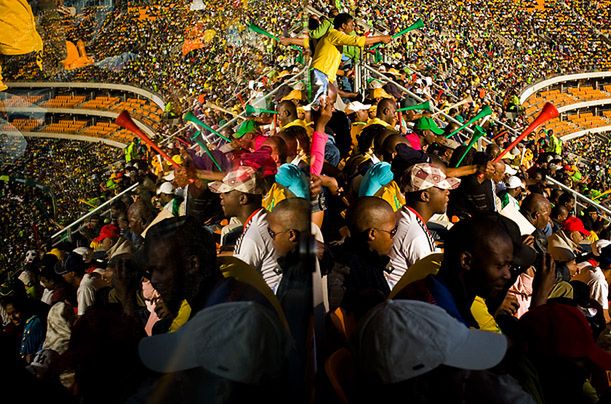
(495, 46)
(51, 185)
(228, 61)
(403, 262)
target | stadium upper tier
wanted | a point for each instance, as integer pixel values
(36, 113)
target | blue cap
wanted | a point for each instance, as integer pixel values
(375, 178)
(291, 177)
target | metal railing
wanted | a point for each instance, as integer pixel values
(105, 205)
(579, 197)
(242, 115)
(414, 96)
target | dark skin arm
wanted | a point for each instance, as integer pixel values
(545, 276)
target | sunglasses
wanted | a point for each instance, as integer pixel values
(273, 234)
(391, 232)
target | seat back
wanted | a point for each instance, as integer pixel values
(339, 368)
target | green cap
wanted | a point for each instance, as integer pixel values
(426, 123)
(246, 127)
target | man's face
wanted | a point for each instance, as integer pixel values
(499, 172)
(391, 114)
(69, 278)
(382, 244)
(439, 199)
(106, 244)
(93, 223)
(279, 232)
(283, 114)
(134, 219)
(348, 27)
(517, 192)
(114, 212)
(490, 261)
(426, 138)
(165, 198)
(577, 237)
(167, 274)
(122, 222)
(572, 267)
(275, 154)
(230, 202)
(362, 115)
(13, 314)
(543, 216)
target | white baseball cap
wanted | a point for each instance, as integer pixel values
(166, 188)
(514, 182)
(355, 106)
(402, 339)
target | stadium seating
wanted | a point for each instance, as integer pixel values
(64, 101)
(25, 125)
(572, 95)
(16, 101)
(65, 126)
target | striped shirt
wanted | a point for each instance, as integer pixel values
(255, 248)
(412, 242)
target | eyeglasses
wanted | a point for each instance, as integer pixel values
(391, 232)
(273, 234)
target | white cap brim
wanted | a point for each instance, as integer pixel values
(480, 350)
(509, 170)
(240, 341)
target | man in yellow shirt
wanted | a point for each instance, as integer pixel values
(386, 114)
(327, 56)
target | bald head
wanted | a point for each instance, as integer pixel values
(287, 112)
(387, 110)
(140, 215)
(537, 209)
(368, 212)
(499, 171)
(289, 136)
(293, 212)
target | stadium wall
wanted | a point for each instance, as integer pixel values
(65, 136)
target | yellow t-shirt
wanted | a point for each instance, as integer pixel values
(377, 121)
(483, 317)
(355, 131)
(328, 55)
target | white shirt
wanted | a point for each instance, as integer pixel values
(412, 242)
(85, 294)
(255, 248)
(595, 279)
